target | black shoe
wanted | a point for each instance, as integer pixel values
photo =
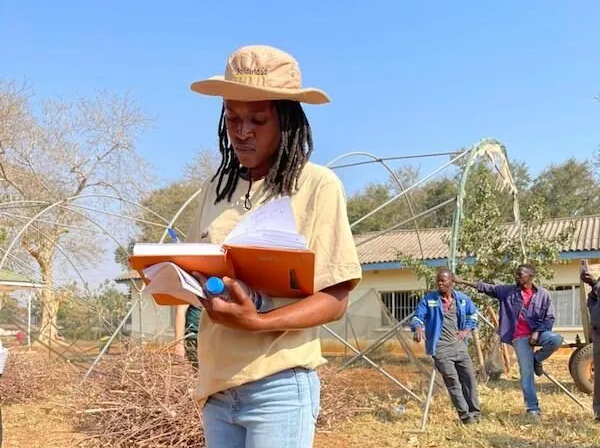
(597, 419)
(538, 368)
(469, 421)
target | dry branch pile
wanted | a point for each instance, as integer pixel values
(340, 398)
(145, 399)
(139, 399)
(30, 376)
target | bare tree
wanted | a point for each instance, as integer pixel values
(57, 150)
(203, 166)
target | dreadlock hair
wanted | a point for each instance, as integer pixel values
(294, 151)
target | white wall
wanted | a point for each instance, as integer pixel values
(151, 321)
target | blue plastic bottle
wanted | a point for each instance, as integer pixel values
(216, 287)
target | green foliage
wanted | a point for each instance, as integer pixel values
(165, 202)
(568, 189)
(421, 199)
(419, 269)
(436, 192)
(121, 257)
(11, 311)
(427, 196)
(484, 237)
(85, 316)
(362, 203)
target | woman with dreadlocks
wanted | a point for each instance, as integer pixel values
(258, 385)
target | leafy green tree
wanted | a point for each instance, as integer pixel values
(487, 250)
(11, 311)
(436, 192)
(567, 189)
(89, 316)
(432, 193)
(366, 200)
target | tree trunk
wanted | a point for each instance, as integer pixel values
(503, 348)
(48, 328)
(480, 357)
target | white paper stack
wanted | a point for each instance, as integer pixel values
(168, 278)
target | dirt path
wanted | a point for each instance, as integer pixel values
(36, 426)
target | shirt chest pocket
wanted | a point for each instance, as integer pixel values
(516, 305)
(535, 311)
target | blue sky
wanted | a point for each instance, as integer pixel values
(404, 77)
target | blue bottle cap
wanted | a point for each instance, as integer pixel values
(215, 285)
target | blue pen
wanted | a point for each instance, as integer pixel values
(173, 235)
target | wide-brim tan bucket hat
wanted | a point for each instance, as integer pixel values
(260, 73)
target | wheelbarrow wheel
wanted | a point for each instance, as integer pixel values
(581, 368)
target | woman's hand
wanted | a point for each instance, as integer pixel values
(239, 313)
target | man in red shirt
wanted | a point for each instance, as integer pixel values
(526, 321)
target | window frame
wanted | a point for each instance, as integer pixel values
(405, 309)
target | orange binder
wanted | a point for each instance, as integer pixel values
(277, 272)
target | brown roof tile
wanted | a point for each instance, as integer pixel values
(385, 248)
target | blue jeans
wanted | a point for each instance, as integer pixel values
(550, 342)
(279, 411)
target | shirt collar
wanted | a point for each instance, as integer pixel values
(441, 298)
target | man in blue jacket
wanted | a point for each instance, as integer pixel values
(526, 321)
(444, 319)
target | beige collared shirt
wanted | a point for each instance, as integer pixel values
(229, 358)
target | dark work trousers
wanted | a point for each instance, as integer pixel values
(596, 354)
(456, 367)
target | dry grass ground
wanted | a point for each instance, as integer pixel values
(38, 425)
(563, 424)
(373, 422)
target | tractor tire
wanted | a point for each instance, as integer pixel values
(581, 368)
(572, 357)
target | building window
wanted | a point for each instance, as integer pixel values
(567, 308)
(399, 304)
